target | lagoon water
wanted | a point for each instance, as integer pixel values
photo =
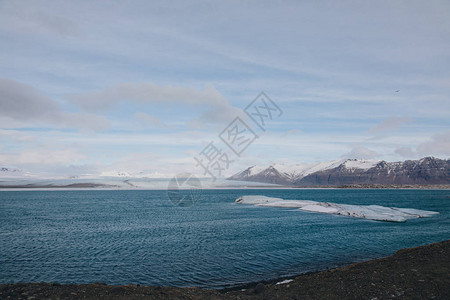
(140, 237)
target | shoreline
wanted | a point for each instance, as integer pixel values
(87, 186)
(411, 273)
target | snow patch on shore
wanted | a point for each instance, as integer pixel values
(369, 212)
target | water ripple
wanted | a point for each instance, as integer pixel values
(122, 237)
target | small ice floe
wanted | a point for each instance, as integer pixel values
(284, 281)
(369, 212)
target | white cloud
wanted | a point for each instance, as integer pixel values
(147, 119)
(26, 19)
(390, 124)
(405, 152)
(148, 93)
(214, 107)
(24, 106)
(41, 156)
(439, 144)
(360, 153)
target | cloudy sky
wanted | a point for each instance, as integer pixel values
(144, 86)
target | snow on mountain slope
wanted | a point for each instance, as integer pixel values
(12, 173)
(323, 166)
(428, 170)
(360, 164)
(256, 169)
(115, 174)
(291, 173)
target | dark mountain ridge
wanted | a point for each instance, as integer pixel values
(425, 171)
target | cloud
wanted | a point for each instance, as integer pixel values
(215, 108)
(147, 119)
(360, 153)
(53, 23)
(439, 144)
(390, 124)
(147, 93)
(25, 106)
(41, 157)
(292, 132)
(405, 152)
(20, 101)
(29, 20)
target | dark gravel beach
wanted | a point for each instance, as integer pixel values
(414, 273)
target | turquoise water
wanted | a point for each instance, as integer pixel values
(121, 237)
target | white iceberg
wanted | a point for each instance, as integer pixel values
(284, 281)
(370, 212)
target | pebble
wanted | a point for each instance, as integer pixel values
(259, 288)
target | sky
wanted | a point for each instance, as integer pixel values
(98, 87)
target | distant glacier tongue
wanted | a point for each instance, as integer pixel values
(370, 212)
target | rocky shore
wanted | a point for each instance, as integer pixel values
(414, 273)
(396, 186)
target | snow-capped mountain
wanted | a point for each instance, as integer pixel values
(12, 173)
(9, 170)
(115, 174)
(288, 174)
(428, 170)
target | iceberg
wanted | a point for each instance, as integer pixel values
(284, 281)
(369, 212)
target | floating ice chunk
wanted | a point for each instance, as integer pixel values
(256, 199)
(320, 208)
(285, 281)
(288, 203)
(418, 212)
(370, 212)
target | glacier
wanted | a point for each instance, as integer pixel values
(369, 212)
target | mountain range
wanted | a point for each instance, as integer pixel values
(12, 173)
(425, 171)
